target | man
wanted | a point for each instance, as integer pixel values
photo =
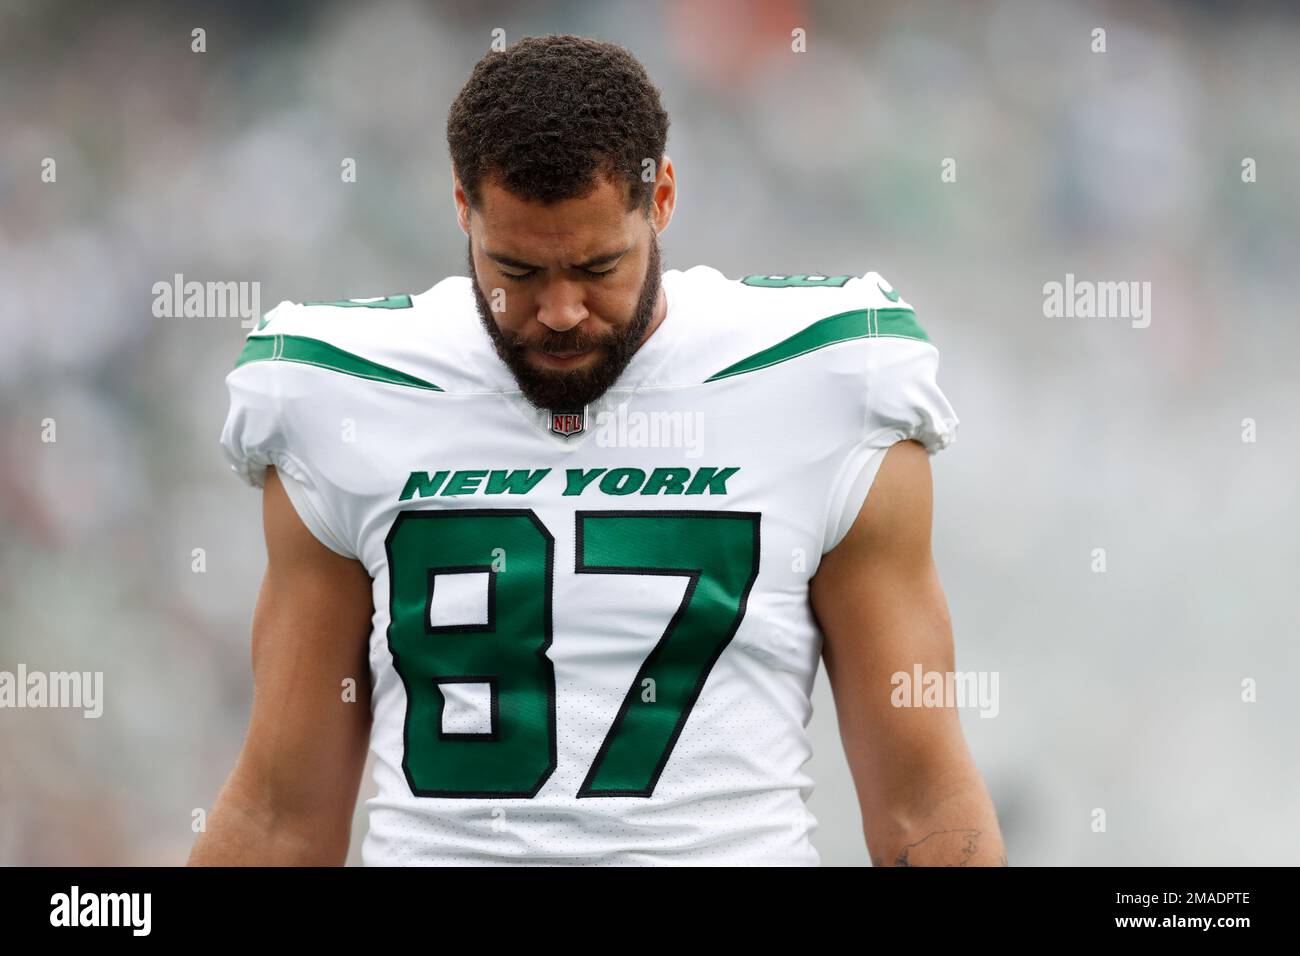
(563, 540)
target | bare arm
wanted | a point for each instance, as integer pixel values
(290, 797)
(881, 608)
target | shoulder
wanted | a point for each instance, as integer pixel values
(424, 341)
(849, 341)
(749, 324)
(307, 366)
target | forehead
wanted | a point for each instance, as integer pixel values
(513, 226)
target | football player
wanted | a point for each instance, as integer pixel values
(562, 541)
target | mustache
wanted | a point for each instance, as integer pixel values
(558, 342)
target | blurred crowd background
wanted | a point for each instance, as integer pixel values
(1119, 690)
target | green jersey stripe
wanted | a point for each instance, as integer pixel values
(858, 324)
(386, 302)
(307, 351)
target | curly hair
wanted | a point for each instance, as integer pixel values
(549, 115)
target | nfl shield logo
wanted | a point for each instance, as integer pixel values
(568, 423)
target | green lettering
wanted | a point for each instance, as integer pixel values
(622, 481)
(515, 481)
(422, 485)
(578, 480)
(711, 479)
(464, 482)
(670, 481)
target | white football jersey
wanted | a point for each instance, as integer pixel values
(592, 639)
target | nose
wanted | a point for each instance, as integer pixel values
(560, 306)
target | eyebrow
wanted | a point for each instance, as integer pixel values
(514, 263)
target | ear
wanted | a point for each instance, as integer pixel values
(461, 200)
(665, 196)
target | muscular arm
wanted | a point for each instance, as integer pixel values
(881, 608)
(290, 797)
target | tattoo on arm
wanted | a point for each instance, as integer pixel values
(940, 845)
(958, 845)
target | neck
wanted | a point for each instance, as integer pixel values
(660, 313)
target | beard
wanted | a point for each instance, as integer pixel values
(571, 390)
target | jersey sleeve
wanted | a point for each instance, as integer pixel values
(258, 434)
(902, 398)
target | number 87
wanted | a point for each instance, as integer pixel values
(717, 551)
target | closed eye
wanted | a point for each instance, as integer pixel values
(520, 277)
